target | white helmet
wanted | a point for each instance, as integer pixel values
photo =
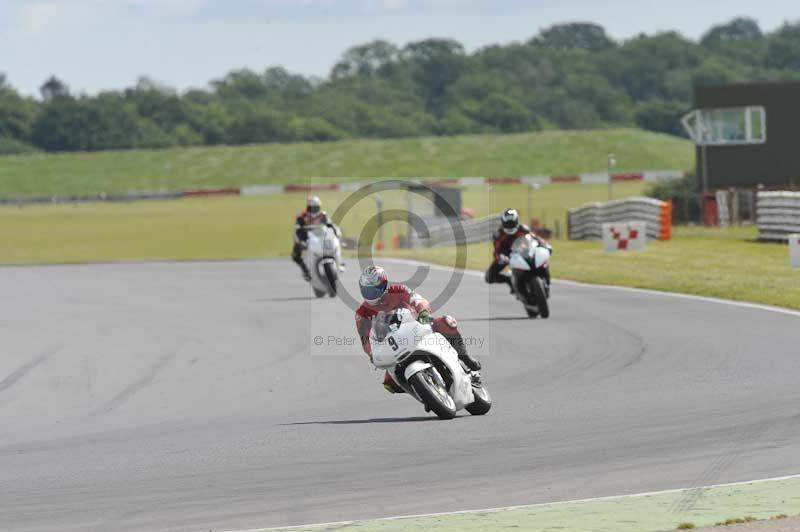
(510, 221)
(313, 204)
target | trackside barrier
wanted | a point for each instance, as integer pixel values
(202, 192)
(624, 236)
(91, 198)
(777, 214)
(261, 190)
(794, 250)
(587, 221)
(346, 186)
(477, 230)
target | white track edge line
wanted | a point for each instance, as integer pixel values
(524, 506)
(693, 297)
(475, 273)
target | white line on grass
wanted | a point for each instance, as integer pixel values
(475, 273)
(523, 506)
(707, 299)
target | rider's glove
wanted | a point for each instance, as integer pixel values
(424, 317)
(503, 259)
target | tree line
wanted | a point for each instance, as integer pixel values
(569, 76)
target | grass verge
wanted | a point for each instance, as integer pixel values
(639, 513)
(722, 263)
(227, 227)
(717, 262)
(545, 153)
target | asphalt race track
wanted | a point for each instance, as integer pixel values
(191, 397)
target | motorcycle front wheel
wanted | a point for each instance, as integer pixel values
(432, 392)
(540, 296)
(331, 277)
(482, 403)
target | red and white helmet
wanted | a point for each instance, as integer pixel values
(313, 204)
(373, 284)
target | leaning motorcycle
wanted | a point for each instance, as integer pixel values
(323, 259)
(424, 364)
(530, 274)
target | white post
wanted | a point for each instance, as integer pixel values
(723, 212)
(794, 250)
(612, 162)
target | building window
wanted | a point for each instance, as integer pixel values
(727, 126)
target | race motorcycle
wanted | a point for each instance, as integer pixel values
(424, 364)
(530, 276)
(323, 259)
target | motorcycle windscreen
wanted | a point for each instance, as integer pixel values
(387, 344)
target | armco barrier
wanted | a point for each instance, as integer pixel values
(92, 198)
(587, 221)
(503, 180)
(777, 214)
(477, 230)
(314, 187)
(630, 176)
(201, 192)
(261, 190)
(347, 186)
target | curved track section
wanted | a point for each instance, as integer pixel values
(190, 397)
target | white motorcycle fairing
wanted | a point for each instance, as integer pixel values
(530, 262)
(526, 250)
(324, 247)
(410, 337)
(518, 262)
(541, 257)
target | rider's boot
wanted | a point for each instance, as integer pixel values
(470, 362)
(297, 259)
(447, 327)
(390, 386)
(509, 283)
(458, 344)
(304, 268)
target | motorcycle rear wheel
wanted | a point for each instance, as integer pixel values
(433, 394)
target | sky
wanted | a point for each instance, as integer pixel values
(95, 45)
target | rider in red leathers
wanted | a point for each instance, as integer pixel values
(380, 296)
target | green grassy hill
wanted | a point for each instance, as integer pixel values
(546, 153)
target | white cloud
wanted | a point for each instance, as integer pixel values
(372, 6)
(168, 7)
(103, 44)
(47, 15)
(297, 4)
(42, 17)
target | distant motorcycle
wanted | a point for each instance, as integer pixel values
(530, 274)
(323, 259)
(424, 364)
